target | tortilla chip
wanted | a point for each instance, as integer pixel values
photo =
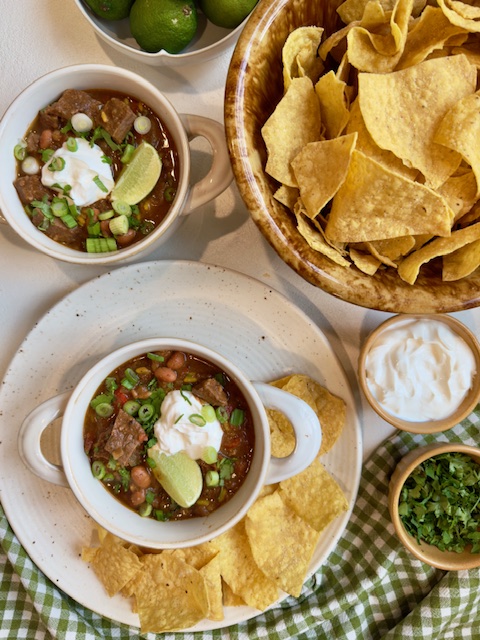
(409, 268)
(317, 241)
(377, 52)
(365, 261)
(462, 262)
(300, 55)
(460, 193)
(431, 32)
(326, 158)
(314, 495)
(461, 14)
(239, 570)
(213, 583)
(170, 595)
(460, 130)
(285, 136)
(375, 203)
(402, 111)
(288, 196)
(285, 564)
(114, 564)
(387, 251)
(331, 92)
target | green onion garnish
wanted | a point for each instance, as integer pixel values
(100, 245)
(100, 184)
(98, 469)
(127, 154)
(119, 225)
(155, 357)
(72, 144)
(237, 417)
(57, 164)
(197, 419)
(20, 151)
(122, 208)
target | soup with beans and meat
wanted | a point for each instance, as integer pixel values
(162, 403)
(73, 155)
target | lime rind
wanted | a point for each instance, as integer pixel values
(139, 177)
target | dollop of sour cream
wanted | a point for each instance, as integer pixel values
(420, 370)
(82, 170)
(176, 432)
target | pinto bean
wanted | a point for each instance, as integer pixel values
(137, 497)
(176, 360)
(140, 476)
(126, 238)
(45, 139)
(165, 374)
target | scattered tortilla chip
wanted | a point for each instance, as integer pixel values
(213, 583)
(365, 261)
(240, 571)
(314, 495)
(387, 251)
(285, 136)
(284, 564)
(409, 268)
(460, 192)
(114, 564)
(331, 92)
(375, 203)
(402, 111)
(461, 14)
(317, 241)
(462, 262)
(170, 595)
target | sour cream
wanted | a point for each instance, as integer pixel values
(419, 370)
(175, 431)
(82, 168)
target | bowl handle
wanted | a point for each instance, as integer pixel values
(308, 432)
(29, 437)
(220, 175)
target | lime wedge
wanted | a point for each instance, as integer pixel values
(179, 475)
(139, 176)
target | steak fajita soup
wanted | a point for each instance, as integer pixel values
(170, 435)
(73, 165)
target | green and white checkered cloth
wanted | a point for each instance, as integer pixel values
(369, 588)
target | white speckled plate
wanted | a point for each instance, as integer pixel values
(256, 327)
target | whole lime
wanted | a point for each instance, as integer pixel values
(110, 9)
(163, 24)
(227, 13)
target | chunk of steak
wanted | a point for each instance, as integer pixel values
(31, 188)
(117, 118)
(126, 439)
(57, 230)
(212, 392)
(73, 101)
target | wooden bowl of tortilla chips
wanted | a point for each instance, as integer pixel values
(353, 134)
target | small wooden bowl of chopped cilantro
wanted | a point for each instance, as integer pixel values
(434, 503)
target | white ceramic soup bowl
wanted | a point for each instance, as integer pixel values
(183, 127)
(109, 512)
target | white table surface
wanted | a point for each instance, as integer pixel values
(36, 37)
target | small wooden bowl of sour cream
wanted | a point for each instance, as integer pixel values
(421, 373)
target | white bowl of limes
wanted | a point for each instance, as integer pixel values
(168, 32)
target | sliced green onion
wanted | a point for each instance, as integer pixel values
(100, 184)
(169, 194)
(155, 357)
(149, 496)
(47, 154)
(127, 154)
(212, 479)
(102, 397)
(30, 166)
(119, 225)
(100, 245)
(197, 419)
(179, 418)
(81, 122)
(20, 151)
(98, 469)
(104, 410)
(208, 412)
(111, 384)
(94, 229)
(132, 376)
(145, 412)
(237, 417)
(69, 221)
(131, 407)
(59, 207)
(145, 510)
(106, 215)
(142, 124)
(210, 455)
(72, 144)
(57, 164)
(222, 414)
(151, 463)
(122, 208)
(108, 477)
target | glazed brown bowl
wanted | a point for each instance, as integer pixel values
(253, 89)
(430, 554)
